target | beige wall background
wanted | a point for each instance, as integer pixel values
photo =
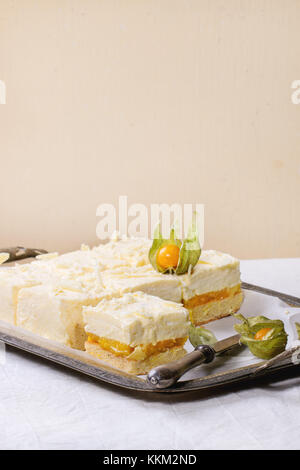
(169, 101)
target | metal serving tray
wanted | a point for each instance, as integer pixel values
(86, 364)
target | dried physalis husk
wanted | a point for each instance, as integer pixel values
(199, 335)
(298, 329)
(264, 337)
(173, 256)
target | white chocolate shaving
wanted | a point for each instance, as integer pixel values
(46, 256)
(4, 257)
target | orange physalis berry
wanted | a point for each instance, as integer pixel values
(168, 256)
(262, 333)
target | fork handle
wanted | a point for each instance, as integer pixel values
(167, 375)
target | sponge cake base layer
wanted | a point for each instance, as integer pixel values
(134, 367)
(215, 310)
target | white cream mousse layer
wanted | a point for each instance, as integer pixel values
(214, 272)
(143, 279)
(45, 271)
(55, 312)
(136, 332)
(12, 280)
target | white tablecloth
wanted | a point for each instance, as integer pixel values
(46, 407)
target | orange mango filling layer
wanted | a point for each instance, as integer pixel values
(124, 350)
(212, 296)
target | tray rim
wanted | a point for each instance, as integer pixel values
(70, 358)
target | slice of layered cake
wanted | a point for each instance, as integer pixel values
(213, 289)
(73, 270)
(136, 332)
(55, 313)
(12, 280)
(52, 306)
(210, 280)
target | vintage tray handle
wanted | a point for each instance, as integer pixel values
(293, 354)
(17, 253)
